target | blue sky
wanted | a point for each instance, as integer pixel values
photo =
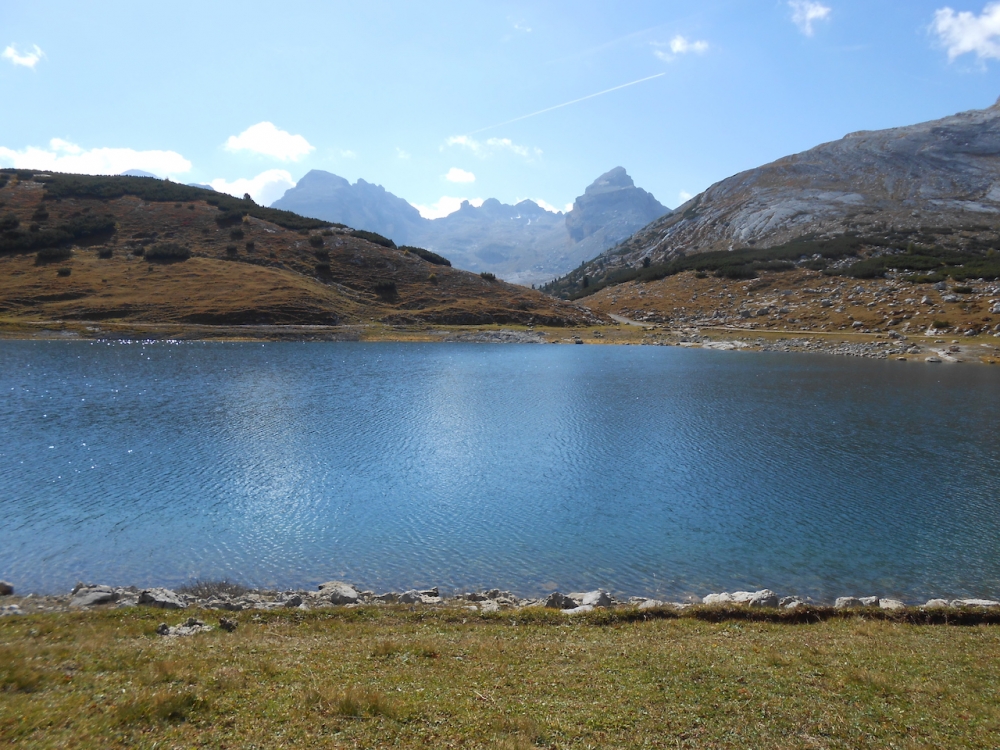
(411, 96)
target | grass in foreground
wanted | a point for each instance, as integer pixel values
(377, 678)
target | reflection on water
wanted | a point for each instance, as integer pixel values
(644, 470)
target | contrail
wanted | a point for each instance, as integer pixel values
(566, 104)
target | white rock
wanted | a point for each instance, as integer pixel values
(937, 603)
(869, 601)
(975, 603)
(338, 592)
(88, 596)
(162, 598)
(723, 598)
(847, 602)
(651, 604)
(578, 610)
(597, 599)
(891, 604)
(763, 598)
(489, 605)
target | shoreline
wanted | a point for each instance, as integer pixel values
(232, 597)
(934, 348)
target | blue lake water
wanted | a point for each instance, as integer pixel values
(644, 470)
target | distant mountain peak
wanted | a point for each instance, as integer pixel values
(616, 179)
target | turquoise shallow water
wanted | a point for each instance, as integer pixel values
(643, 470)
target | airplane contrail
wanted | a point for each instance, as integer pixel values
(566, 104)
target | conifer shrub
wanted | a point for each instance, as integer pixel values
(53, 255)
(250, 246)
(323, 269)
(386, 288)
(372, 237)
(488, 276)
(168, 252)
(105, 252)
(427, 255)
(236, 234)
(64, 271)
(316, 240)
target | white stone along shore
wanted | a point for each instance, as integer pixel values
(234, 598)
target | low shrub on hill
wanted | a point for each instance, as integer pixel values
(316, 240)
(64, 271)
(53, 255)
(430, 257)
(14, 239)
(169, 252)
(372, 237)
(163, 191)
(385, 288)
(488, 276)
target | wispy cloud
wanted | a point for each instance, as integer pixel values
(966, 32)
(265, 188)
(566, 104)
(63, 156)
(459, 175)
(684, 196)
(400, 153)
(266, 139)
(27, 60)
(680, 45)
(806, 12)
(445, 205)
(491, 146)
(548, 206)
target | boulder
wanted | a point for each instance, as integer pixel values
(651, 604)
(762, 598)
(847, 602)
(937, 603)
(723, 598)
(489, 605)
(411, 597)
(869, 601)
(162, 598)
(559, 601)
(597, 599)
(190, 627)
(293, 601)
(88, 596)
(6, 589)
(338, 592)
(227, 624)
(891, 604)
(975, 603)
(578, 610)
(790, 602)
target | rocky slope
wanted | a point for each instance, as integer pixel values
(522, 243)
(939, 180)
(143, 250)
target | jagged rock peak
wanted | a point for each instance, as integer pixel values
(616, 179)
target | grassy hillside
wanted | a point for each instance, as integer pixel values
(137, 249)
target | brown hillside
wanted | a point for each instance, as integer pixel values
(248, 271)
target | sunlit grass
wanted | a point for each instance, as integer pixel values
(410, 678)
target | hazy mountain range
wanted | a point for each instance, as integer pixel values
(522, 243)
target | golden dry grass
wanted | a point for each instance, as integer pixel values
(398, 678)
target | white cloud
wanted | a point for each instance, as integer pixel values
(63, 156)
(348, 154)
(567, 208)
(491, 146)
(265, 188)
(446, 205)
(684, 196)
(966, 32)
(805, 12)
(459, 175)
(680, 45)
(402, 154)
(266, 139)
(27, 60)
(548, 206)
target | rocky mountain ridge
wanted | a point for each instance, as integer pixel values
(522, 243)
(939, 180)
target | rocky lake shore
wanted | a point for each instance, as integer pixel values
(230, 597)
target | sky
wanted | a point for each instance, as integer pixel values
(444, 101)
